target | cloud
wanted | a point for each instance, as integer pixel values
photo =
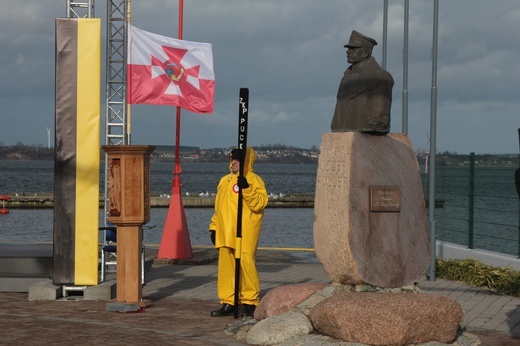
(290, 55)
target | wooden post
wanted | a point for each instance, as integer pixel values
(128, 209)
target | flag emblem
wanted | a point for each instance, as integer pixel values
(167, 71)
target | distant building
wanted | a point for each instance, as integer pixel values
(168, 152)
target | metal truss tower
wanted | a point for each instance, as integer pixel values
(116, 130)
(80, 9)
(116, 111)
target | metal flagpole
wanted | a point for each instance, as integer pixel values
(128, 106)
(385, 29)
(433, 149)
(177, 170)
(175, 241)
(243, 105)
(518, 172)
(405, 67)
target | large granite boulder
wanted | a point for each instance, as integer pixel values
(279, 328)
(388, 318)
(370, 221)
(283, 298)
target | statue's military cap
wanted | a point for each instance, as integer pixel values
(359, 40)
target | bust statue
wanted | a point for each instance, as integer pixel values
(365, 91)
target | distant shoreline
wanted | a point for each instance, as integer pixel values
(41, 201)
(285, 156)
(266, 155)
(285, 201)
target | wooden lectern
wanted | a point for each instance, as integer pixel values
(128, 207)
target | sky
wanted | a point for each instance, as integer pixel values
(290, 55)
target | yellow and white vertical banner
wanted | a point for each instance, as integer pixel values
(77, 152)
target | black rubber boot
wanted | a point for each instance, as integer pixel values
(249, 310)
(225, 310)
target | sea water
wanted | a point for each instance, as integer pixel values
(496, 212)
(282, 227)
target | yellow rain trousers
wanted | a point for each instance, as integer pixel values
(224, 222)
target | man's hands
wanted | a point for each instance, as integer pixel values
(242, 182)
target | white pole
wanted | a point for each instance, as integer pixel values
(49, 137)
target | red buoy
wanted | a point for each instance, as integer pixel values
(4, 198)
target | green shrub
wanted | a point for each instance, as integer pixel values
(472, 272)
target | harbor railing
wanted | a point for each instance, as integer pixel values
(481, 207)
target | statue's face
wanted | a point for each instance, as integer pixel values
(356, 54)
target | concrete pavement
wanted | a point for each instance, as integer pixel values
(183, 294)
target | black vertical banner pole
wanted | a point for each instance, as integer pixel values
(517, 185)
(243, 105)
(519, 144)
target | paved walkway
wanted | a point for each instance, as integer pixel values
(183, 294)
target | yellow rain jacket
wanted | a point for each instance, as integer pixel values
(224, 220)
(224, 223)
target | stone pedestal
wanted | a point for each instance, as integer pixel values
(128, 208)
(370, 223)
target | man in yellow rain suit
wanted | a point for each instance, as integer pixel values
(223, 230)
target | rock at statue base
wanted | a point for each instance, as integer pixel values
(279, 328)
(388, 318)
(370, 223)
(283, 298)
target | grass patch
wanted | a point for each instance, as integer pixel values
(472, 272)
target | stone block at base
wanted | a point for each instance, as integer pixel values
(284, 298)
(104, 291)
(370, 223)
(44, 290)
(388, 318)
(123, 307)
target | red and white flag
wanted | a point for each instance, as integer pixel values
(167, 71)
